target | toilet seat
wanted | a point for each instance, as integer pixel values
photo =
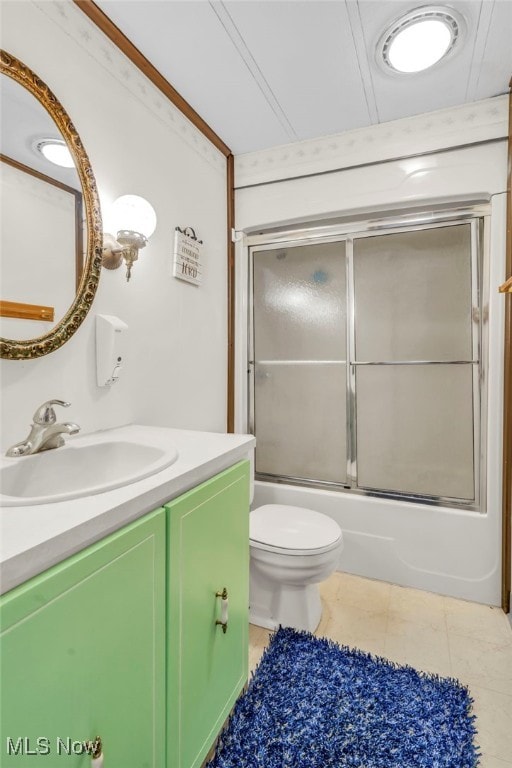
(292, 530)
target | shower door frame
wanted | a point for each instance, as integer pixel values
(478, 216)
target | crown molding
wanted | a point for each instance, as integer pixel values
(89, 37)
(443, 129)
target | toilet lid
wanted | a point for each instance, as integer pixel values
(294, 528)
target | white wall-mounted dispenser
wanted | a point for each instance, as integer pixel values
(110, 349)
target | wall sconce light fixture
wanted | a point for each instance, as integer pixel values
(134, 220)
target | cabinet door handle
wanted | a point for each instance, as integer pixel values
(224, 605)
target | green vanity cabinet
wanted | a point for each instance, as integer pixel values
(121, 641)
(208, 540)
(83, 654)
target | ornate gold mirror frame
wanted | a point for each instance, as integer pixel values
(76, 314)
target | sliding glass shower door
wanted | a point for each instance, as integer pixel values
(416, 361)
(367, 361)
(300, 361)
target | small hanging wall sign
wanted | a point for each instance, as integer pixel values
(188, 255)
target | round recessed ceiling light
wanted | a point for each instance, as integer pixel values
(56, 151)
(419, 39)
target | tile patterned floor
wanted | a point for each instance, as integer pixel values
(451, 637)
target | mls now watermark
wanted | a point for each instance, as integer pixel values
(42, 745)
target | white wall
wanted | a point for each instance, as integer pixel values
(137, 143)
(442, 550)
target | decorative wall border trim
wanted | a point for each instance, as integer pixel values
(434, 131)
(77, 25)
(120, 40)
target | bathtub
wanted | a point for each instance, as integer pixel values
(444, 550)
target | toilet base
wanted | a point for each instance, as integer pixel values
(271, 605)
(283, 579)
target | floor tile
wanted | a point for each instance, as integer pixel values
(488, 761)
(357, 628)
(329, 588)
(326, 617)
(417, 645)
(369, 594)
(423, 608)
(476, 662)
(480, 622)
(258, 640)
(494, 723)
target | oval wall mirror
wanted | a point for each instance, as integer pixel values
(51, 234)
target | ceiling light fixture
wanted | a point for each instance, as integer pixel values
(56, 151)
(419, 39)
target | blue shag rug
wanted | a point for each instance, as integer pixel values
(313, 704)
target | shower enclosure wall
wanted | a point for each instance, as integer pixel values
(365, 350)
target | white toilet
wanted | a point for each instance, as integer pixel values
(292, 550)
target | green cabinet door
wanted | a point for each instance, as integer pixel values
(208, 530)
(83, 653)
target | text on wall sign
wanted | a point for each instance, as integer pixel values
(188, 256)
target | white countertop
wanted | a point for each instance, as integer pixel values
(33, 538)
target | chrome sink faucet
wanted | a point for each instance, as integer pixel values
(45, 432)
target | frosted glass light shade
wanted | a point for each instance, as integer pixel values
(56, 151)
(419, 46)
(133, 213)
(420, 39)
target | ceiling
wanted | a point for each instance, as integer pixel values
(267, 72)
(23, 122)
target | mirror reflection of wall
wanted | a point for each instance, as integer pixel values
(36, 263)
(41, 240)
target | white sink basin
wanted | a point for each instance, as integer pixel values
(86, 465)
